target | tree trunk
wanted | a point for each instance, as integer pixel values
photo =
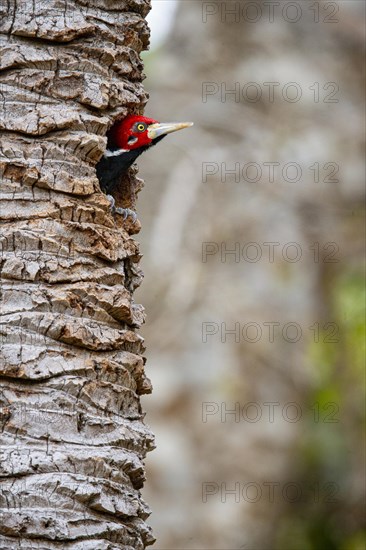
(73, 438)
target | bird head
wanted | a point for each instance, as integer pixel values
(137, 131)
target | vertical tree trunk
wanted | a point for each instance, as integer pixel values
(73, 437)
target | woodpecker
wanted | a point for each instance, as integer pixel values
(127, 139)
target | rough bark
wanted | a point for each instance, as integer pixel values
(73, 438)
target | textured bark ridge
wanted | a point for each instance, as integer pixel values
(73, 437)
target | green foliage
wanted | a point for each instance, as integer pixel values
(329, 451)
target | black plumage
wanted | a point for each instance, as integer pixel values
(110, 169)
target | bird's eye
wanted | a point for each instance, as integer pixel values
(141, 127)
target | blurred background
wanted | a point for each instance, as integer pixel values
(253, 243)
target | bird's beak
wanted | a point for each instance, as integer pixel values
(161, 129)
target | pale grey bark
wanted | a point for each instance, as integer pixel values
(73, 438)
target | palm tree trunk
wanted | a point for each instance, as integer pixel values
(72, 372)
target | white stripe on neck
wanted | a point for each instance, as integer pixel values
(109, 153)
